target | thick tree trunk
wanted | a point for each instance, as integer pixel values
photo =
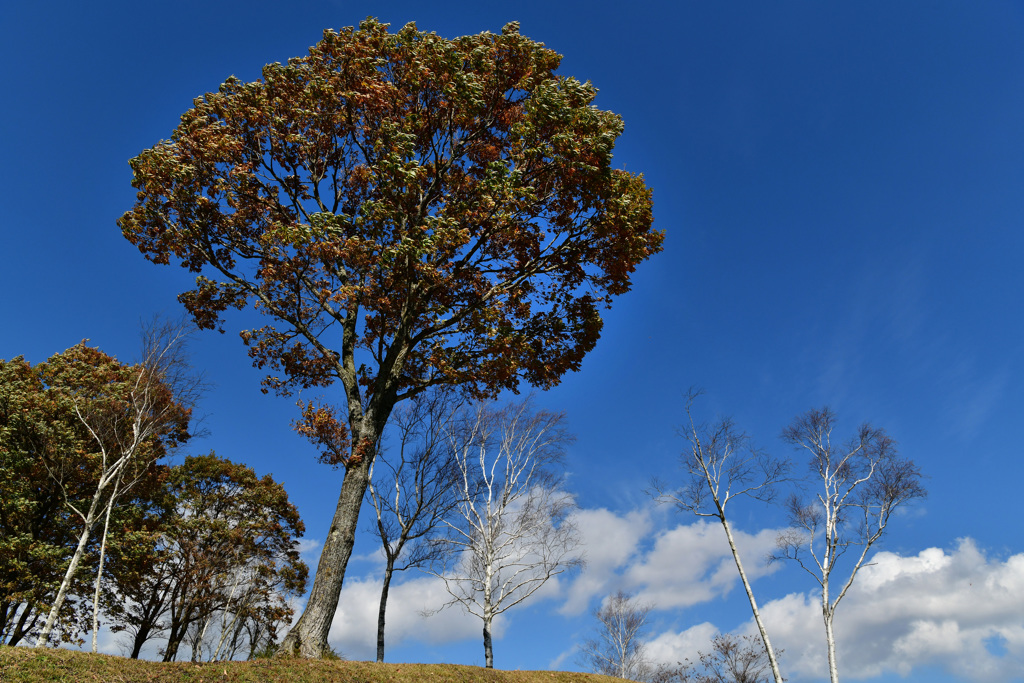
(141, 636)
(173, 641)
(388, 571)
(308, 637)
(753, 603)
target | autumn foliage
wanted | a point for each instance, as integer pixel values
(407, 211)
(445, 206)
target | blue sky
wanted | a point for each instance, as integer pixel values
(840, 188)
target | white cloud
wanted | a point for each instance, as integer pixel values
(611, 541)
(671, 647)
(958, 610)
(354, 630)
(308, 548)
(692, 563)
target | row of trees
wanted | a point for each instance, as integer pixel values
(842, 503)
(95, 521)
(202, 553)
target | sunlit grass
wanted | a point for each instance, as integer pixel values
(26, 665)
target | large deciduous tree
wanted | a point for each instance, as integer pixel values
(856, 487)
(77, 433)
(408, 211)
(233, 543)
(37, 536)
(218, 565)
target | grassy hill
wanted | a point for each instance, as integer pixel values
(28, 665)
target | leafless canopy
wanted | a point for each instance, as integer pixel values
(512, 532)
(414, 488)
(857, 486)
(860, 484)
(618, 650)
(720, 464)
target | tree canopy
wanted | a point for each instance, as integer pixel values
(446, 206)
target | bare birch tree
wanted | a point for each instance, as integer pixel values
(860, 484)
(513, 531)
(414, 490)
(132, 414)
(721, 464)
(165, 360)
(618, 650)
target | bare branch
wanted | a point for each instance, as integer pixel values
(858, 487)
(721, 464)
(513, 530)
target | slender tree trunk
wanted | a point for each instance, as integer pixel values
(99, 568)
(488, 616)
(388, 571)
(753, 603)
(827, 613)
(308, 637)
(199, 637)
(488, 652)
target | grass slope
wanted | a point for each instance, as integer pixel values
(28, 665)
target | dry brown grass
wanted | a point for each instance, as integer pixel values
(27, 665)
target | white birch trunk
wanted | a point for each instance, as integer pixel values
(69, 575)
(753, 603)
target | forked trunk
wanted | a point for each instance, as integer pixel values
(308, 637)
(58, 602)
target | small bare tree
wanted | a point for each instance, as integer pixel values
(735, 659)
(414, 490)
(132, 414)
(512, 532)
(861, 484)
(732, 659)
(721, 465)
(618, 649)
